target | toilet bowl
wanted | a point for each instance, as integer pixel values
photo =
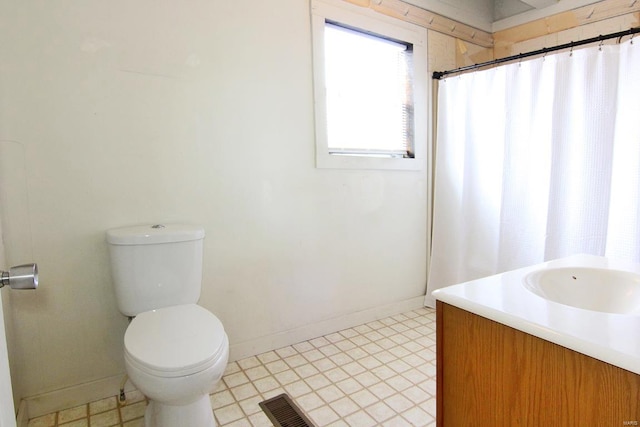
(175, 356)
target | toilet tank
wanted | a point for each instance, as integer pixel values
(155, 266)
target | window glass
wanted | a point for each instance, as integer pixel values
(368, 93)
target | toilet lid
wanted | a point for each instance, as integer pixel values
(175, 341)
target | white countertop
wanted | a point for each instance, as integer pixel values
(612, 338)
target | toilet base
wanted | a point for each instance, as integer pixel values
(196, 414)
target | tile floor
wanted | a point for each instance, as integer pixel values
(378, 374)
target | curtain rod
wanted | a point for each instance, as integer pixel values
(437, 75)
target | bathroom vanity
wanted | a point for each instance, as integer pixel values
(509, 356)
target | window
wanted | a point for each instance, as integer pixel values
(370, 89)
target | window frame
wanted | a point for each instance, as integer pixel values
(367, 20)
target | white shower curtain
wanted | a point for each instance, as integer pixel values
(535, 161)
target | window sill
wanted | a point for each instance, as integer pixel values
(338, 161)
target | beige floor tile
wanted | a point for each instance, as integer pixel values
(287, 377)
(386, 357)
(418, 417)
(319, 342)
(398, 403)
(298, 388)
(344, 407)
(260, 420)
(77, 423)
(339, 423)
(336, 375)
(48, 420)
(273, 393)
(378, 374)
(334, 337)
(242, 422)
(381, 390)
(232, 368)
(313, 355)
(221, 398)
(323, 364)
(349, 386)
(369, 362)
(248, 363)
(345, 344)
(360, 419)
(353, 368)
(295, 360)
(266, 384)
(72, 414)
(330, 393)
(277, 366)
(323, 416)
(397, 421)
(235, 379)
(251, 405)
(303, 347)
(244, 391)
(317, 381)
(364, 398)
(256, 372)
(309, 402)
(105, 419)
(134, 423)
(103, 405)
(229, 413)
(306, 370)
(270, 356)
(367, 379)
(399, 383)
(380, 412)
(133, 411)
(429, 406)
(286, 352)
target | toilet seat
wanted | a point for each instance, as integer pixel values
(174, 341)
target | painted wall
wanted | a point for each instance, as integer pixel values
(127, 112)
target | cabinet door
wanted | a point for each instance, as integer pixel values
(493, 375)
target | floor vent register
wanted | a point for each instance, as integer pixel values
(284, 413)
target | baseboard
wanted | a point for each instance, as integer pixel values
(260, 345)
(429, 301)
(73, 396)
(69, 397)
(22, 419)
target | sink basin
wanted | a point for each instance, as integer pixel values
(596, 289)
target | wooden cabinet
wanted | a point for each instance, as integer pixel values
(492, 375)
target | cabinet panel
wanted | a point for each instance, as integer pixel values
(492, 375)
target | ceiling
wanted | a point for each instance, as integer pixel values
(507, 8)
(494, 15)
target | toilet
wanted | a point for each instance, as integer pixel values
(175, 351)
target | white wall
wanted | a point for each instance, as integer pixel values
(145, 111)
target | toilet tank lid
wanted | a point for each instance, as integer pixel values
(154, 233)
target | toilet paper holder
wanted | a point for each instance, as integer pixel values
(20, 277)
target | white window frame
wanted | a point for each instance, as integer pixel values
(368, 20)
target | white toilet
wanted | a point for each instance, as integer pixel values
(174, 350)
